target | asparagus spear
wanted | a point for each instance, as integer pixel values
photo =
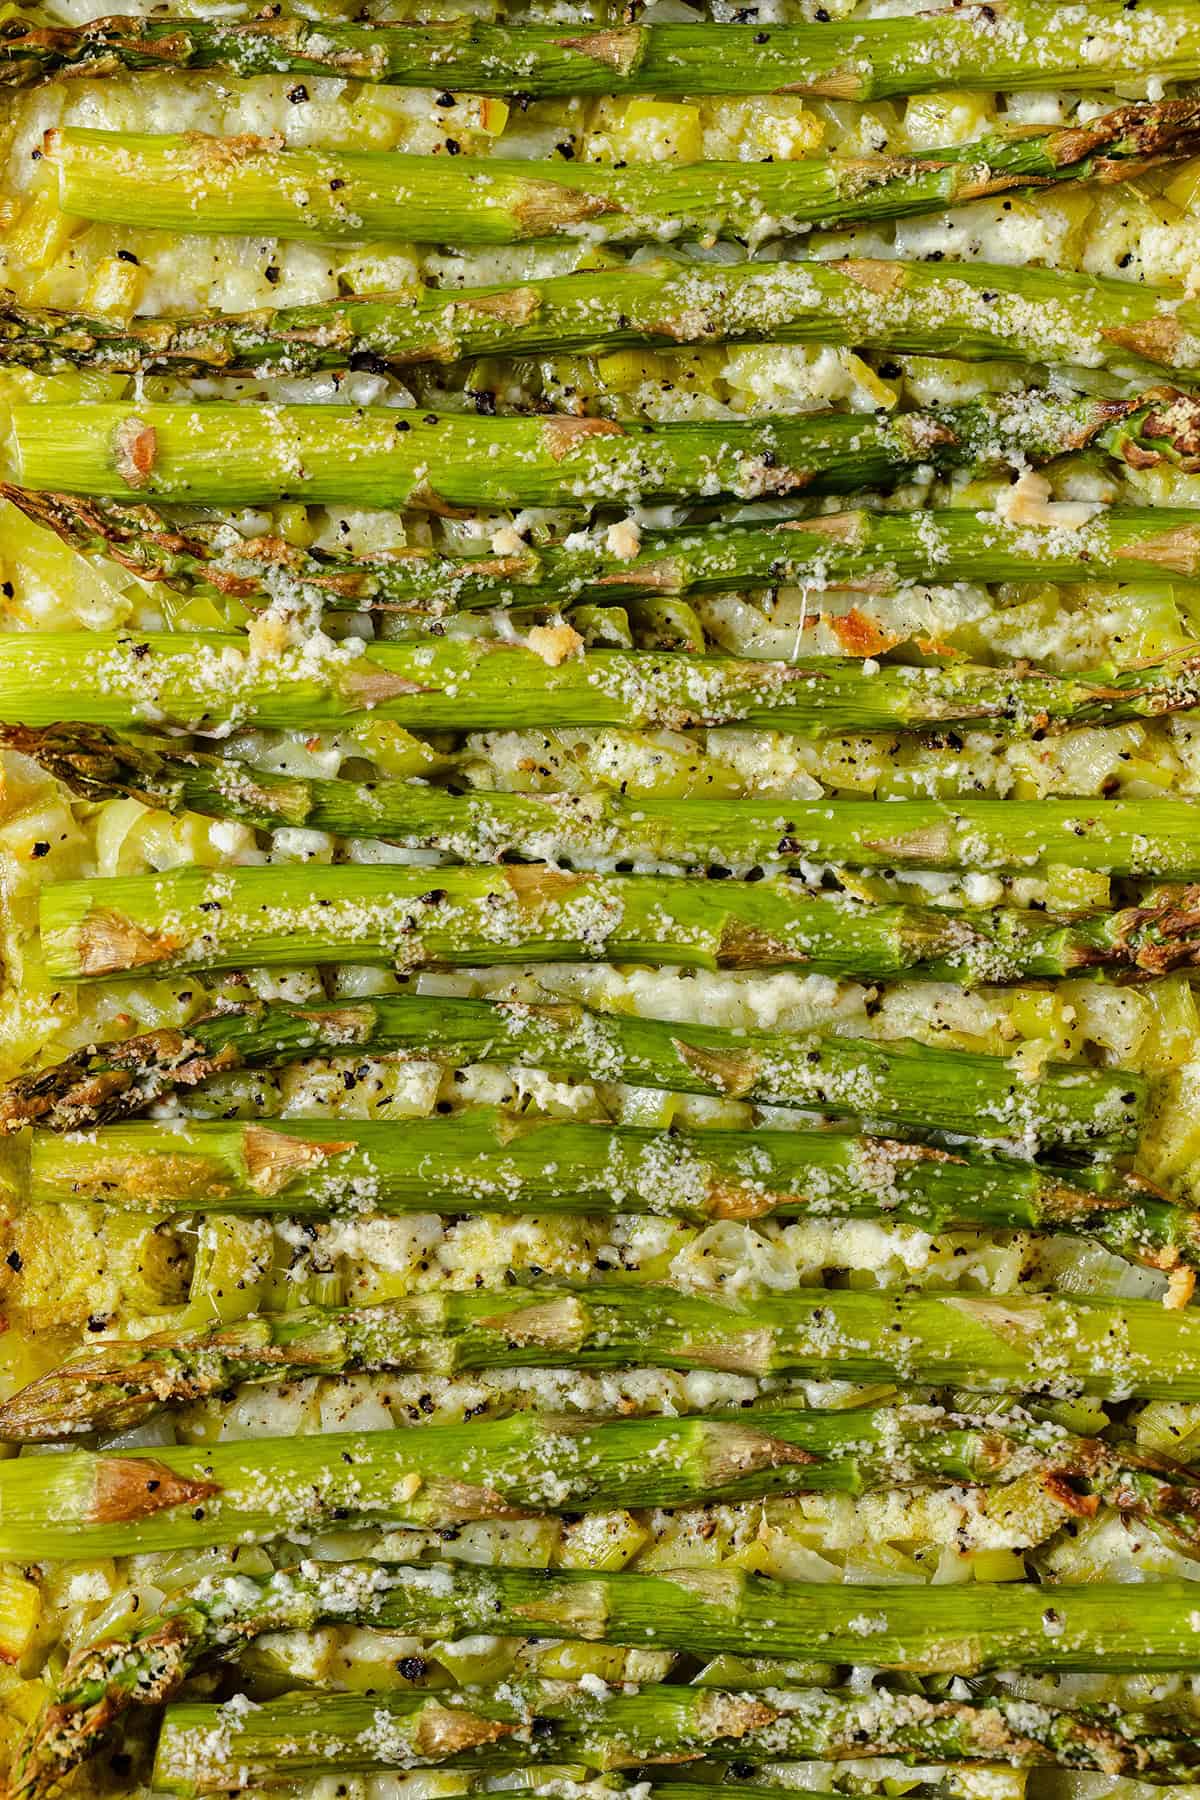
(926, 1630)
(205, 1748)
(875, 551)
(227, 453)
(1048, 1344)
(252, 184)
(714, 1613)
(1030, 44)
(968, 310)
(298, 916)
(906, 1082)
(85, 1503)
(509, 1165)
(206, 682)
(1159, 838)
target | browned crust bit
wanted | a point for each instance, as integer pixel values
(274, 1160)
(1158, 339)
(835, 84)
(732, 1073)
(1177, 920)
(861, 635)
(743, 1451)
(1177, 550)
(1060, 1487)
(663, 577)
(561, 437)
(619, 50)
(870, 272)
(369, 686)
(1178, 422)
(72, 1094)
(734, 1715)
(534, 886)
(128, 1488)
(108, 943)
(445, 1730)
(542, 207)
(557, 1324)
(227, 152)
(729, 1200)
(135, 450)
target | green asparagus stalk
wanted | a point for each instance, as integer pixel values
(969, 310)
(296, 916)
(1158, 838)
(1051, 1344)
(225, 453)
(906, 1082)
(875, 551)
(251, 184)
(205, 1748)
(714, 1613)
(206, 682)
(930, 1631)
(499, 1163)
(1030, 44)
(86, 1503)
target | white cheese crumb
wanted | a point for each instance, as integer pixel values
(623, 539)
(555, 643)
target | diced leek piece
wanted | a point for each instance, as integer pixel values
(1170, 1428)
(20, 1613)
(42, 232)
(603, 627)
(1183, 189)
(947, 118)
(293, 524)
(392, 749)
(998, 1565)
(605, 1540)
(476, 1659)
(493, 115)
(659, 131)
(233, 1259)
(116, 287)
(1079, 890)
(663, 623)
